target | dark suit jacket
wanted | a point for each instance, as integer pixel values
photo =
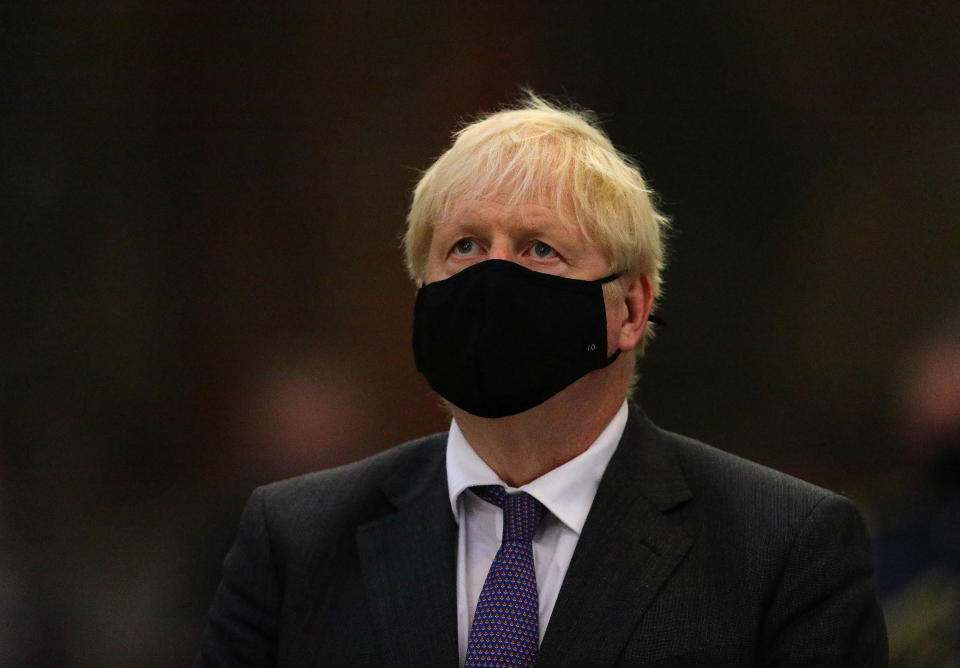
(689, 557)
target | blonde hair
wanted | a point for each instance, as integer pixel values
(540, 152)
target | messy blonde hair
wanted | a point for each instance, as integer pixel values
(557, 157)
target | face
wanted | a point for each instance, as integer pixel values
(530, 235)
(534, 236)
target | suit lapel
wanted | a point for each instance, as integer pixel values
(408, 561)
(626, 552)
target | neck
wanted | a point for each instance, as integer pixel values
(523, 447)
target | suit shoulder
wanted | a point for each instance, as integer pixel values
(368, 470)
(352, 491)
(759, 518)
(727, 479)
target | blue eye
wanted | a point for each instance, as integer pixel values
(543, 251)
(464, 247)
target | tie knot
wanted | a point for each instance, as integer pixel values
(521, 512)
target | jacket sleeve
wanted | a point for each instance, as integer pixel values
(242, 625)
(825, 611)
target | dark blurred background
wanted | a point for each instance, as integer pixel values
(202, 285)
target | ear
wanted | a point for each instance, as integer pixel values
(638, 300)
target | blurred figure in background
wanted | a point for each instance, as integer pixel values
(918, 544)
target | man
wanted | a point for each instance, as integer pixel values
(554, 522)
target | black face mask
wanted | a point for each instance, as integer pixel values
(497, 338)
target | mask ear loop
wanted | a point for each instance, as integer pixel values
(610, 360)
(655, 319)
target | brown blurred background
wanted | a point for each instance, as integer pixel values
(202, 286)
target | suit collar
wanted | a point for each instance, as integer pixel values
(418, 473)
(408, 561)
(645, 463)
(629, 548)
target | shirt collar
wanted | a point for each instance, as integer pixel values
(567, 491)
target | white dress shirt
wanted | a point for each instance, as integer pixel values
(567, 492)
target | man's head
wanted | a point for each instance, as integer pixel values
(538, 154)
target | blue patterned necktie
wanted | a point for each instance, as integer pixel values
(505, 631)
